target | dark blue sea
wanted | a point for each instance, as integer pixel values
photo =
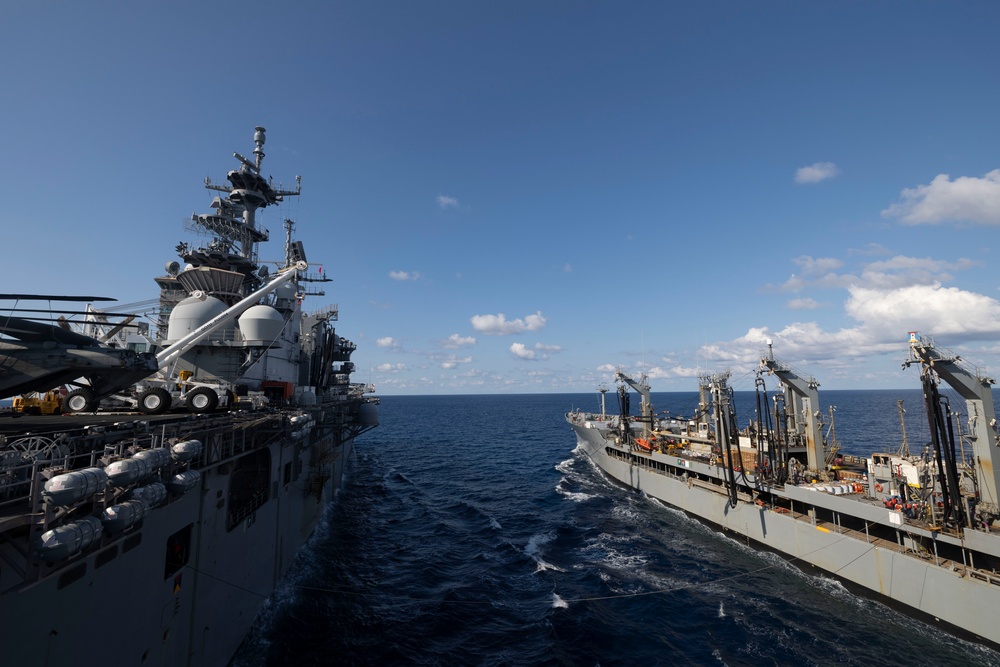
(470, 532)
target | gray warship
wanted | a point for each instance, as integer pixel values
(160, 468)
(920, 530)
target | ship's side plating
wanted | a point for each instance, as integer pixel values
(946, 569)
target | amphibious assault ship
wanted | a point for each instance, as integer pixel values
(921, 530)
(157, 478)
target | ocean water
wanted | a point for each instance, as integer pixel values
(470, 531)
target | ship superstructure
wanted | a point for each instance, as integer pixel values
(192, 459)
(922, 530)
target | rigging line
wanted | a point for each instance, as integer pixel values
(402, 597)
(226, 581)
(343, 591)
(546, 602)
(668, 590)
(790, 560)
(863, 553)
(11, 314)
(596, 598)
(722, 579)
(737, 381)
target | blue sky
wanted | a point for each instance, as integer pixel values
(519, 197)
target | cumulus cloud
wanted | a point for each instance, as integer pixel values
(521, 352)
(404, 275)
(498, 325)
(946, 311)
(455, 342)
(387, 341)
(805, 342)
(390, 368)
(885, 299)
(539, 352)
(883, 317)
(897, 271)
(815, 271)
(447, 202)
(453, 362)
(902, 271)
(965, 199)
(816, 172)
(675, 371)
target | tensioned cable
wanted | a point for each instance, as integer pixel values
(548, 602)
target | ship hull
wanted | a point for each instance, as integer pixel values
(928, 586)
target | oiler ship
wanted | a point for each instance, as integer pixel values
(158, 477)
(920, 530)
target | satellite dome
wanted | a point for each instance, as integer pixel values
(190, 314)
(261, 323)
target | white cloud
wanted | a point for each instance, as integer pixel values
(816, 271)
(816, 172)
(388, 341)
(390, 368)
(966, 199)
(404, 275)
(898, 271)
(660, 373)
(455, 342)
(796, 283)
(940, 311)
(884, 316)
(568, 268)
(447, 202)
(522, 352)
(903, 271)
(885, 299)
(540, 352)
(453, 362)
(498, 325)
(908, 263)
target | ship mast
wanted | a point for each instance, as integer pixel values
(802, 407)
(977, 391)
(642, 388)
(904, 447)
